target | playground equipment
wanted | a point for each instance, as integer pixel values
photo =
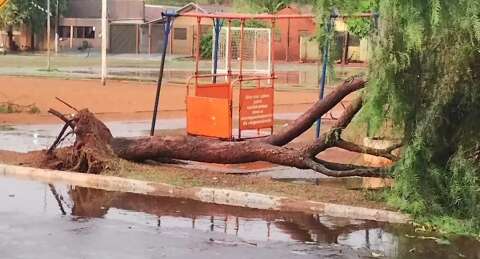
(246, 76)
(256, 53)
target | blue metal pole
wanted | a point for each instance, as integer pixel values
(167, 26)
(326, 48)
(218, 25)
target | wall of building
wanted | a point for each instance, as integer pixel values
(183, 35)
(356, 52)
(73, 41)
(288, 33)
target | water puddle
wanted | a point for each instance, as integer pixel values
(308, 77)
(60, 221)
(24, 138)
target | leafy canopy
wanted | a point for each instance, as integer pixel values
(424, 78)
(31, 12)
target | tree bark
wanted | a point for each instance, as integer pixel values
(94, 143)
(306, 120)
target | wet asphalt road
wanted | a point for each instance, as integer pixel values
(32, 225)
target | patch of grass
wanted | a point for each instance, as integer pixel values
(447, 225)
(34, 110)
(15, 108)
(187, 177)
(376, 195)
(6, 128)
(8, 108)
(49, 70)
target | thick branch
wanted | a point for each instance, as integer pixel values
(365, 172)
(386, 153)
(306, 120)
(339, 166)
(325, 140)
(216, 151)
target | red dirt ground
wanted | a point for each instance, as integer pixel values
(119, 100)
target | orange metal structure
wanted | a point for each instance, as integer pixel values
(210, 109)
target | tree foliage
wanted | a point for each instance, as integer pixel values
(32, 13)
(424, 78)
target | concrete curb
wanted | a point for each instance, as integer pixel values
(204, 194)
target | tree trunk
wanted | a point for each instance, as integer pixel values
(10, 37)
(95, 145)
(32, 38)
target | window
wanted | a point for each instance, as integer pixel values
(180, 33)
(78, 32)
(90, 32)
(64, 31)
(84, 32)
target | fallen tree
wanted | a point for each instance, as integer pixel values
(95, 146)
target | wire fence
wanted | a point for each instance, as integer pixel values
(145, 67)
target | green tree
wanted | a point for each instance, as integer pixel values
(28, 12)
(424, 78)
(261, 6)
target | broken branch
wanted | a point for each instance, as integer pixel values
(62, 117)
(350, 146)
(67, 104)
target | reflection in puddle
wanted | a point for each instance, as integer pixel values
(306, 78)
(249, 227)
(248, 224)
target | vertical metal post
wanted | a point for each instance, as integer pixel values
(287, 52)
(272, 67)
(137, 39)
(345, 45)
(240, 72)
(228, 54)
(166, 31)
(104, 42)
(271, 55)
(150, 39)
(71, 36)
(197, 49)
(255, 50)
(326, 48)
(56, 28)
(218, 25)
(48, 35)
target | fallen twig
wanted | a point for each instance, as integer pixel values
(67, 104)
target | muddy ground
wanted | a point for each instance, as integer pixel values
(126, 101)
(119, 100)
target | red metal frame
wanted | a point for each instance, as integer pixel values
(238, 16)
(240, 77)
